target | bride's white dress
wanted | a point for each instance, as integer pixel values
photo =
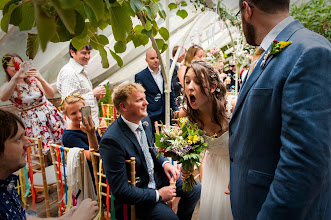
(214, 203)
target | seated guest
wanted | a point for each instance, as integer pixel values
(127, 137)
(77, 134)
(13, 144)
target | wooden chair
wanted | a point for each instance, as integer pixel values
(99, 173)
(21, 187)
(109, 113)
(59, 167)
(43, 177)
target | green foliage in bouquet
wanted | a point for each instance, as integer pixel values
(183, 144)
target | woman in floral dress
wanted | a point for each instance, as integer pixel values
(27, 90)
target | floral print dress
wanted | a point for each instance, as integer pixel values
(39, 116)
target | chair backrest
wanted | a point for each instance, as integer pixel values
(109, 113)
(103, 186)
(36, 161)
(21, 186)
(108, 110)
(60, 164)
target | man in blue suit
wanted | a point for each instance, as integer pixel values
(131, 136)
(151, 79)
(280, 131)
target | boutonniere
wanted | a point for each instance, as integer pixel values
(276, 47)
(145, 124)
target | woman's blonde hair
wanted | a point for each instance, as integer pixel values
(191, 52)
(70, 99)
(122, 92)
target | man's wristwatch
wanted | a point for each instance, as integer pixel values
(160, 198)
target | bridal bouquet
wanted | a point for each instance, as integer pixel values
(183, 144)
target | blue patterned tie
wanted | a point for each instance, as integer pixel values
(148, 157)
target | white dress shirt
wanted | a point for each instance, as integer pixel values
(157, 78)
(270, 37)
(73, 79)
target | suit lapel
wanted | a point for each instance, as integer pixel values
(130, 135)
(151, 79)
(258, 70)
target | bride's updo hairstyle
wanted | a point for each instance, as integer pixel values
(207, 76)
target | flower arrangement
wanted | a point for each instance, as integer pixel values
(214, 57)
(184, 144)
(276, 47)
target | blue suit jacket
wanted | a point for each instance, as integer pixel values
(280, 133)
(156, 106)
(119, 144)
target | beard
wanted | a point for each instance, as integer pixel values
(249, 32)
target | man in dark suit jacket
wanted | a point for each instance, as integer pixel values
(174, 80)
(123, 140)
(280, 130)
(151, 79)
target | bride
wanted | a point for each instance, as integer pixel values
(206, 103)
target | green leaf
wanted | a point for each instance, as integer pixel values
(104, 58)
(164, 33)
(182, 13)
(128, 9)
(148, 25)
(159, 43)
(140, 39)
(164, 47)
(138, 28)
(102, 39)
(27, 22)
(183, 3)
(8, 4)
(154, 31)
(32, 45)
(143, 39)
(4, 23)
(66, 4)
(3, 3)
(16, 16)
(120, 22)
(148, 33)
(148, 12)
(68, 16)
(136, 5)
(94, 41)
(162, 14)
(6, 17)
(120, 47)
(154, 9)
(62, 33)
(117, 58)
(172, 6)
(90, 15)
(97, 6)
(79, 43)
(45, 25)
